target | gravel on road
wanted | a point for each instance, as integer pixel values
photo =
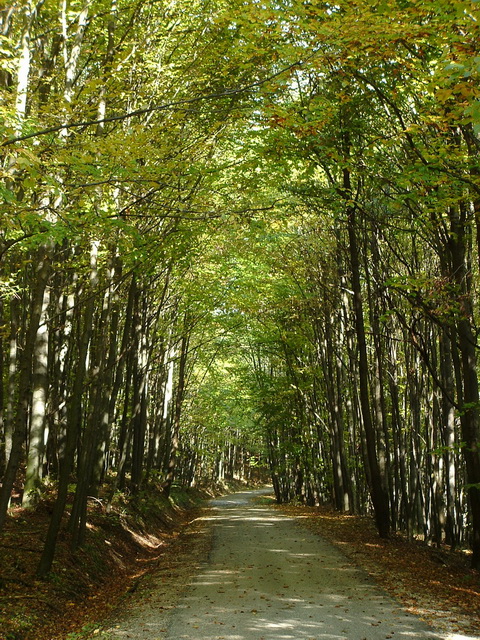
(263, 577)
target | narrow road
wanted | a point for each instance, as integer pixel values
(269, 579)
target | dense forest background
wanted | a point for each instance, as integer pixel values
(242, 240)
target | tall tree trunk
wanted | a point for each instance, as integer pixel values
(36, 448)
(42, 273)
(380, 402)
(378, 494)
(332, 369)
(3, 458)
(467, 345)
(400, 482)
(140, 390)
(167, 486)
(71, 57)
(104, 406)
(74, 421)
(12, 387)
(448, 436)
(23, 69)
(156, 430)
(167, 408)
(91, 433)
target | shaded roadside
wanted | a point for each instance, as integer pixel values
(161, 559)
(124, 543)
(434, 583)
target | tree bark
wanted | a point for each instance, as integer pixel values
(74, 421)
(42, 273)
(378, 494)
(3, 458)
(36, 448)
(167, 486)
(140, 390)
(467, 346)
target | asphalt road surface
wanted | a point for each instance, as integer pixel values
(267, 578)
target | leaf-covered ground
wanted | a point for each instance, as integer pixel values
(122, 546)
(436, 584)
(135, 539)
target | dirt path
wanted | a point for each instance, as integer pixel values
(265, 578)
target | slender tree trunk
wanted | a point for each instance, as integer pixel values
(378, 494)
(448, 436)
(3, 458)
(63, 348)
(467, 345)
(74, 421)
(155, 434)
(398, 428)
(167, 409)
(104, 407)
(91, 434)
(140, 391)
(332, 389)
(177, 415)
(71, 57)
(42, 273)
(379, 396)
(23, 69)
(36, 448)
(125, 436)
(124, 346)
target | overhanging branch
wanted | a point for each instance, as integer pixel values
(162, 107)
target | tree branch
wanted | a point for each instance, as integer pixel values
(162, 107)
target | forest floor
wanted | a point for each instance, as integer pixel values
(126, 545)
(124, 542)
(434, 583)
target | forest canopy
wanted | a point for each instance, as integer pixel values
(242, 240)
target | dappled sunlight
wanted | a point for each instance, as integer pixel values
(265, 520)
(465, 589)
(293, 621)
(144, 539)
(267, 579)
